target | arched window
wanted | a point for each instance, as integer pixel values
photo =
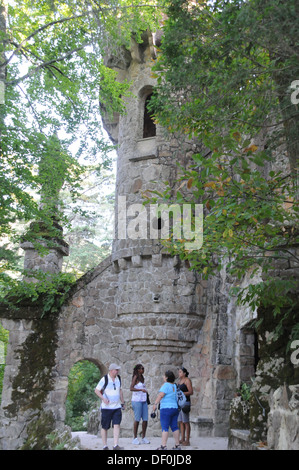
(149, 127)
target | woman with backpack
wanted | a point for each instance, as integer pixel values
(169, 411)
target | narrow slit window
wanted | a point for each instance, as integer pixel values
(149, 127)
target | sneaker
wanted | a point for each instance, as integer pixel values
(117, 447)
(144, 440)
(135, 441)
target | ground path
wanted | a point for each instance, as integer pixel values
(92, 442)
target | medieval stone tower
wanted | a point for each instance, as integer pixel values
(140, 305)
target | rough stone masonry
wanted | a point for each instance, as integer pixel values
(140, 305)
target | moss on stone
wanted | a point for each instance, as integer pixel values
(274, 368)
(38, 431)
(34, 380)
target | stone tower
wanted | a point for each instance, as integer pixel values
(140, 305)
(157, 302)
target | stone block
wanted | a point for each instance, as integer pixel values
(224, 372)
(136, 261)
(122, 263)
(157, 260)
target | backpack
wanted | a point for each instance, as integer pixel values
(106, 382)
(181, 398)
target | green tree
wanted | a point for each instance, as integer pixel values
(225, 76)
(52, 79)
(90, 234)
(83, 378)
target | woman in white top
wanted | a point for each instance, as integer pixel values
(139, 403)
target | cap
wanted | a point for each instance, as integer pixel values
(114, 366)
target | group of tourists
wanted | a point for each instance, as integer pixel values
(109, 390)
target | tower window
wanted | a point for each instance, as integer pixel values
(149, 127)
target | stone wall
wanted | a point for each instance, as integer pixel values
(140, 305)
(283, 419)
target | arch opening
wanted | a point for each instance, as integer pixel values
(83, 377)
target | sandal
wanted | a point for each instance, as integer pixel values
(162, 448)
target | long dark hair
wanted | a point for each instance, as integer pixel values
(185, 371)
(137, 374)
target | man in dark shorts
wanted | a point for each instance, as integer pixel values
(111, 394)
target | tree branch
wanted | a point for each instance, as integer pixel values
(44, 65)
(19, 47)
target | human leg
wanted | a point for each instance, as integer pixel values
(186, 441)
(174, 427)
(144, 420)
(186, 422)
(105, 423)
(135, 429)
(176, 435)
(137, 408)
(116, 430)
(182, 430)
(165, 415)
(116, 420)
(104, 433)
(164, 438)
(144, 427)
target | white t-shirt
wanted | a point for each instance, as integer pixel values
(111, 392)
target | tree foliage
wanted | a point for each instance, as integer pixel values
(52, 79)
(225, 76)
(83, 378)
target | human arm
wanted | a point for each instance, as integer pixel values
(121, 395)
(133, 389)
(158, 399)
(101, 396)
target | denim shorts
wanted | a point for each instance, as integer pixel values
(184, 417)
(108, 416)
(169, 419)
(140, 409)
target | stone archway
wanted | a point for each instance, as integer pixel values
(81, 399)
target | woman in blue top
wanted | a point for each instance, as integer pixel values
(167, 397)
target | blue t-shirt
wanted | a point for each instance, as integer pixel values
(170, 398)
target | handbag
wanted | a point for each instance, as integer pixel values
(186, 408)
